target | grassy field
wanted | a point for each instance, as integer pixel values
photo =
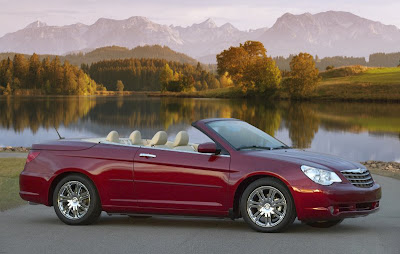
(353, 83)
(10, 168)
(372, 84)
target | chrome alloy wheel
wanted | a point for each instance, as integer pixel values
(73, 200)
(266, 206)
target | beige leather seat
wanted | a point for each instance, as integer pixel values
(182, 142)
(113, 136)
(159, 140)
(136, 138)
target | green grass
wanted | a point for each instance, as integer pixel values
(372, 76)
(10, 168)
(350, 83)
(381, 84)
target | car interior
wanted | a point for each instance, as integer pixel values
(159, 140)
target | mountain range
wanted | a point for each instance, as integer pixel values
(324, 34)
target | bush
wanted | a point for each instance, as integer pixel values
(344, 71)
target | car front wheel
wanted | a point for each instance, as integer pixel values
(267, 206)
(76, 201)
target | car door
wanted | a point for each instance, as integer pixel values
(180, 180)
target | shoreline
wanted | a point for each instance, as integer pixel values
(98, 93)
(389, 169)
(224, 94)
(234, 95)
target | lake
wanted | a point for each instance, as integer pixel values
(357, 131)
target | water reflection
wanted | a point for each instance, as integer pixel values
(302, 125)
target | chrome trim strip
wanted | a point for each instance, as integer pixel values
(356, 174)
(147, 155)
(357, 171)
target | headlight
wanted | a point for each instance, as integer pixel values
(321, 176)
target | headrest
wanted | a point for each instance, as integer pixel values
(160, 138)
(181, 139)
(136, 138)
(113, 136)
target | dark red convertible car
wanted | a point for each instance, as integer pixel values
(240, 172)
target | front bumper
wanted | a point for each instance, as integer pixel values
(337, 201)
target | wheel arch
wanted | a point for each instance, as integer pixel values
(59, 175)
(246, 181)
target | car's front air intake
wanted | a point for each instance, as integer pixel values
(359, 177)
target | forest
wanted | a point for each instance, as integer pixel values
(155, 68)
(144, 75)
(32, 77)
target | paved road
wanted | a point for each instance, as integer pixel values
(13, 155)
(36, 229)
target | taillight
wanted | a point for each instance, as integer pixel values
(31, 156)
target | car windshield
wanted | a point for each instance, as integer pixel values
(242, 135)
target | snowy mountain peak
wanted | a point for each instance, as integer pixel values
(209, 23)
(228, 26)
(36, 24)
(137, 19)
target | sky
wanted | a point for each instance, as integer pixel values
(250, 14)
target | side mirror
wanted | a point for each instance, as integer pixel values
(208, 147)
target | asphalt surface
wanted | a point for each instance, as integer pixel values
(36, 229)
(13, 155)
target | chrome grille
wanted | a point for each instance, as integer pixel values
(359, 177)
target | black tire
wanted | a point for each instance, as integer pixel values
(288, 218)
(94, 208)
(324, 224)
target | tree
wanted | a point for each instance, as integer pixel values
(249, 66)
(225, 80)
(20, 68)
(198, 67)
(262, 75)
(120, 86)
(8, 90)
(214, 84)
(303, 78)
(329, 67)
(204, 85)
(198, 85)
(34, 73)
(166, 75)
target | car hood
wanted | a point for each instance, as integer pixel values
(301, 157)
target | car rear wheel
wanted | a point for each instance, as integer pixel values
(324, 224)
(267, 206)
(76, 201)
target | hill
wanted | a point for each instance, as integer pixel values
(350, 83)
(115, 52)
(381, 84)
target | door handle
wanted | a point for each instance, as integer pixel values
(147, 155)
